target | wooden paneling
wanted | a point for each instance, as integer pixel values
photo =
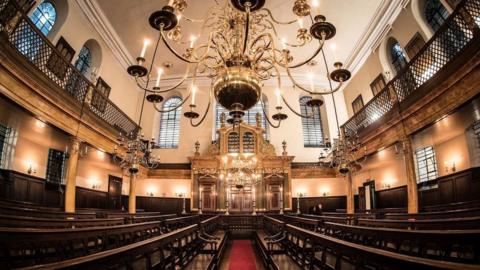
(392, 198)
(162, 204)
(329, 204)
(88, 198)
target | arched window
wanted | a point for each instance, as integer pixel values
(249, 117)
(397, 57)
(84, 60)
(233, 142)
(248, 142)
(312, 127)
(170, 123)
(44, 17)
(435, 13)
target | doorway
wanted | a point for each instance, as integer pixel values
(114, 192)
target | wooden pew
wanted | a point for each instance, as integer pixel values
(468, 212)
(342, 220)
(268, 241)
(316, 251)
(24, 246)
(450, 245)
(31, 222)
(306, 223)
(128, 215)
(32, 212)
(451, 206)
(175, 249)
(424, 224)
(172, 224)
(148, 218)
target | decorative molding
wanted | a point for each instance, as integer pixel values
(102, 25)
(379, 26)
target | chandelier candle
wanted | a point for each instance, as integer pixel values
(146, 42)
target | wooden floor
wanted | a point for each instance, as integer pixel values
(224, 262)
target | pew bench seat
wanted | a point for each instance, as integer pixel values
(272, 254)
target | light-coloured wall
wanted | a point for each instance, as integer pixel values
(76, 30)
(163, 187)
(317, 187)
(94, 169)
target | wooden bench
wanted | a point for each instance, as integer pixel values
(459, 213)
(302, 222)
(450, 245)
(424, 224)
(319, 251)
(32, 212)
(31, 222)
(268, 242)
(148, 218)
(175, 249)
(342, 220)
(172, 224)
(23, 247)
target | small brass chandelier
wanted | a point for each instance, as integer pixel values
(238, 50)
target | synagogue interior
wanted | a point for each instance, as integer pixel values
(240, 134)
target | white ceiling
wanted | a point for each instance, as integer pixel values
(352, 18)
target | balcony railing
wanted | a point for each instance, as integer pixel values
(458, 32)
(23, 35)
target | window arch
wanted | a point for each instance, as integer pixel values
(84, 60)
(435, 13)
(249, 117)
(44, 17)
(313, 135)
(170, 123)
(397, 56)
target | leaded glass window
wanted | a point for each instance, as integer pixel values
(426, 164)
(44, 17)
(55, 166)
(4, 134)
(312, 127)
(435, 13)
(170, 123)
(398, 58)
(84, 60)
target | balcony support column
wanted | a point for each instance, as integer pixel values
(412, 189)
(71, 179)
(132, 198)
(350, 200)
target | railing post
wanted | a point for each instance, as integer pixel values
(412, 189)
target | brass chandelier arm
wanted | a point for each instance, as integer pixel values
(173, 109)
(296, 84)
(297, 113)
(275, 20)
(206, 111)
(319, 49)
(266, 116)
(274, 29)
(184, 78)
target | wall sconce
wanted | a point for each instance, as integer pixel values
(301, 194)
(325, 193)
(450, 166)
(31, 169)
(150, 193)
(95, 186)
(386, 184)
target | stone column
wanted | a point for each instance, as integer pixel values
(350, 200)
(132, 198)
(412, 189)
(70, 186)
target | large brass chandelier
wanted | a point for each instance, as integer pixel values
(241, 50)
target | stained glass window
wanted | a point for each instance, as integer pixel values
(44, 17)
(170, 124)
(312, 127)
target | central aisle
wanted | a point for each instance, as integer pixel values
(242, 256)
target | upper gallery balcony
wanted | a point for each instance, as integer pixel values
(450, 48)
(22, 40)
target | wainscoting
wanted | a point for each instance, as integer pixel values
(162, 204)
(329, 203)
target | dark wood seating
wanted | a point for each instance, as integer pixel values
(33, 212)
(302, 222)
(172, 224)
(242, 223)
(342, 220)
(316, 251)
(148, 218)
(25, 246)
(31, 222)
(459, 213)
(176, 249)
(128, 215)
(449, 245)
(268, 242)
(451, 206)
(424, 224)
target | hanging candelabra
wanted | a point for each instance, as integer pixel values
(137, 152)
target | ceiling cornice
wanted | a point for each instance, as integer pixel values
(102, 25)
(378, 27)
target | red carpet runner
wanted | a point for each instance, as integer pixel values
(242, 256)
